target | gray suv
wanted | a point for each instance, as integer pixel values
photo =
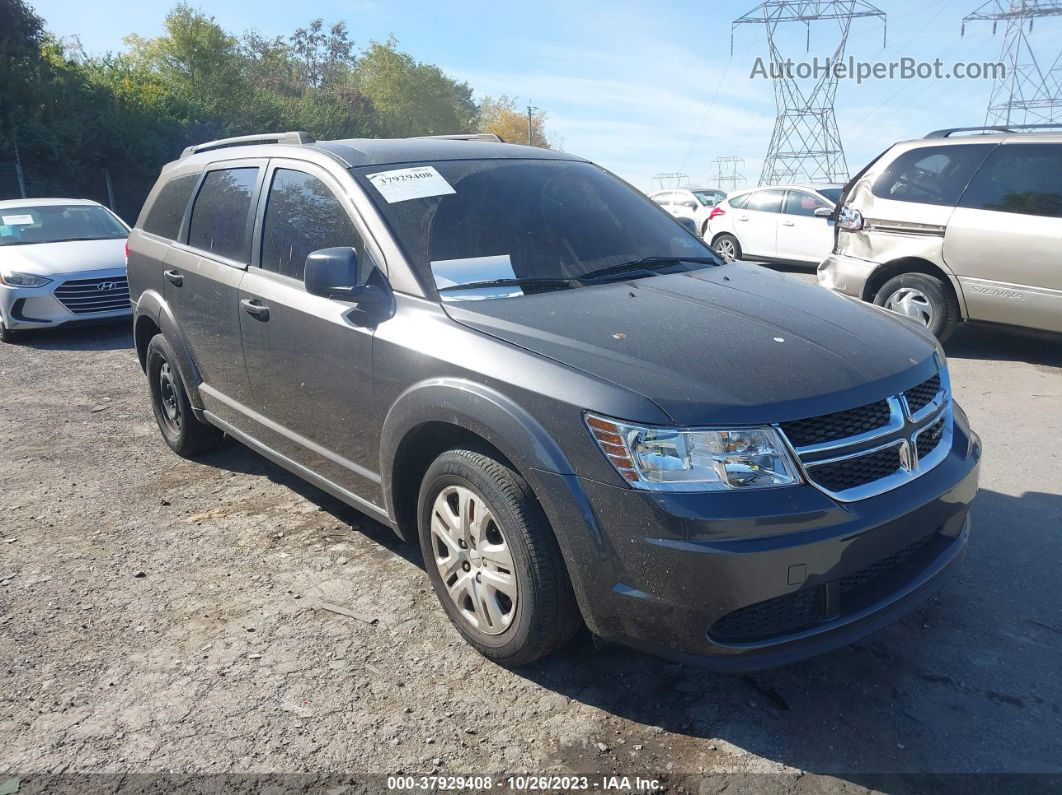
(581, 412)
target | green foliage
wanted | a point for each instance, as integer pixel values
(132, 111)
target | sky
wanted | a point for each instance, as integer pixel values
(641, 88)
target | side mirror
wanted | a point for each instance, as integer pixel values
(688, 223)
(823, 212)
(331, 272)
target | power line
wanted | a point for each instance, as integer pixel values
(1028, 93)
(806, 143)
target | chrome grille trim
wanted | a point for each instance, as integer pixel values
(86, 296)
(902, 431)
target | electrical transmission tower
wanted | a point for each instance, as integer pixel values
(806, 144)
(1027, 93)
(672, 179)
(728, 174)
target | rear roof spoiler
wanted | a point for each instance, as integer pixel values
(250, 140)
(491, 137)
(1014, 128)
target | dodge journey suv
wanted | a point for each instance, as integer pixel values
(579, 411)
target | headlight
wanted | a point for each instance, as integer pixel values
(666, 459)
(16, 279)
(852, 220)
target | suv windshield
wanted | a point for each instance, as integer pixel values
(544, 223)
(58, 223)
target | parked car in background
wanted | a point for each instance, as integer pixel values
(61, 261)
(578, 410)
(946, 229)
(694, 203)
(786, 223)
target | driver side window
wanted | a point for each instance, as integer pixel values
(302, 215)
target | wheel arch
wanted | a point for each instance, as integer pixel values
(442, 414)
(153, 316)
(902, 265)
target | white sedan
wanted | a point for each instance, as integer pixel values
(694, 203)
(785, 223)
(61, 260)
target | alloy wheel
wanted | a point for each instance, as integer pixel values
(473, 559)
(913, 303)
(725, 249)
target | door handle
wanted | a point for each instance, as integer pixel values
(255, 308)
(174, 277)
(743, 218)
(788, 223)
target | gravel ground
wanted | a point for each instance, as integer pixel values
(163, 615)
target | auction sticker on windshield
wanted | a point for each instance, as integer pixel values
(403, 184)
(17, 220)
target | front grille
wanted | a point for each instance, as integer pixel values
(86, 296)
(839, 425)
(818, 605)
(858, 471)
(853, 582)
(930, 438)
(922, 395)
(778, 616)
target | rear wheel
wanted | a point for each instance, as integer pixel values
(923, 298)
(493, 560)
(185, 433)
(727, 247)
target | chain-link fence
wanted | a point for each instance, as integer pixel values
(123, 193)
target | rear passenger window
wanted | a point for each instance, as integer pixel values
(165, 216)
(302, 215)
(1019, 178)
(766, 201)
(931, 174)
(221, 213)
(740, 202)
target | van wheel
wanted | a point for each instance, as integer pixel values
(727, 247)
(493, 560)
(923, 298)
(185, 433)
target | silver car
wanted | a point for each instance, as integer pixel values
(61, 260)
(956, 227)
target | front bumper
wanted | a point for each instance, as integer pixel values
(40, 307)
(745, 581)
(847, 275)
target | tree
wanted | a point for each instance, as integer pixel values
(499, 115)
(322, 57)
(412, 98)
(21, 37)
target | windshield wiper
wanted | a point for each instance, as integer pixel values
(645, 264)
(537, 282)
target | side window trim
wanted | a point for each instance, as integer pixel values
(338, 189)
(256, 193)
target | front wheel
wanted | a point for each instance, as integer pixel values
(185, 433)
(493, 560)
(6, 334)
(923, 298)
(727, 247)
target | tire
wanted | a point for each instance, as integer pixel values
(6, 334)
(729, 244)
(924, 298)
(508, 531)
(185, 433)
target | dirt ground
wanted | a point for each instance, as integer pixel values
(162, 615)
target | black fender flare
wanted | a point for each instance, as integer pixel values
(154, 306)
(474, 407)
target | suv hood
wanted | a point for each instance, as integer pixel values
(730, 344)
(72, 256)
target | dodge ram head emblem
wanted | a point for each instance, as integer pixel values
(906, 459)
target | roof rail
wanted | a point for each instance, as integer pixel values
(1014, 128)
(249, 140)
(468, 137)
